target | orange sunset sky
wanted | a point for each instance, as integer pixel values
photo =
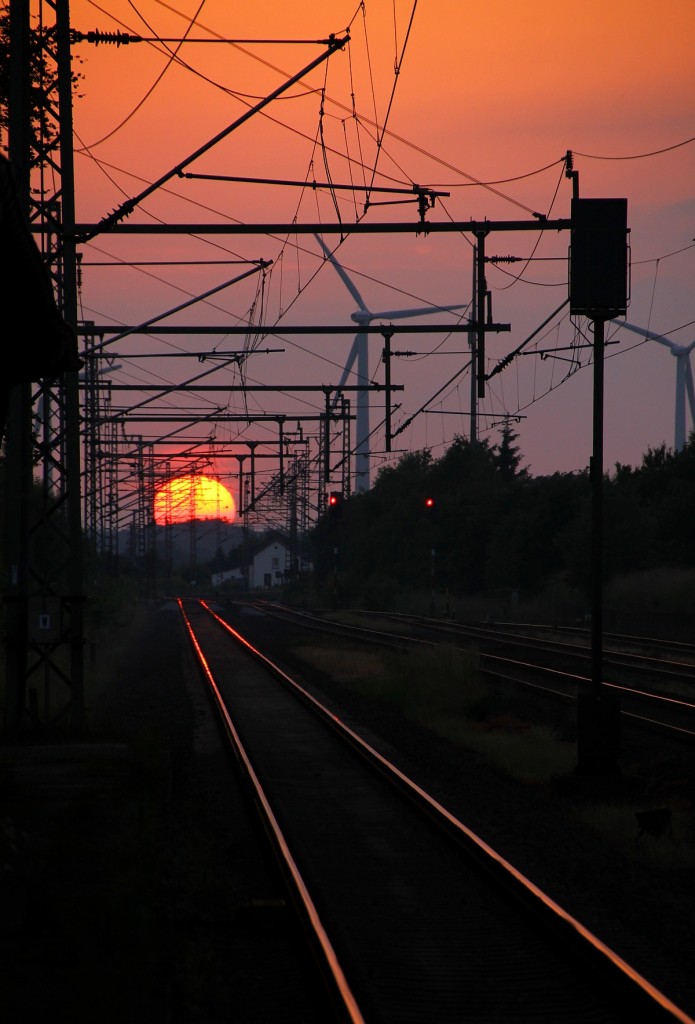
(486, 101)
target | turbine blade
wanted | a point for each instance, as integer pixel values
(352, 355)
(646, 334)
(400, 314)
(679, 421)
(688, 374)
(351, 287)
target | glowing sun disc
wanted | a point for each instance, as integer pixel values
(193, 497)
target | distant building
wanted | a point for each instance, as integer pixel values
(268, 567)
(229, 575)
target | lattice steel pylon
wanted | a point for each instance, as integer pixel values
(297, 516)
(144, 547)
(44, 591)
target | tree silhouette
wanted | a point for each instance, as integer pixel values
(507, 455)
(497, 529)
(41, 69)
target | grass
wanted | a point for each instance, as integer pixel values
(531, 753)
(617, 824)
(441, 689)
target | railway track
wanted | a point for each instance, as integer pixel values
(412, 917)
(653, 691)
(645, 645)
(669, 664)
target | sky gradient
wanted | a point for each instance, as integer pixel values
(485, 104)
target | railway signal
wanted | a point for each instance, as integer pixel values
(335, 503)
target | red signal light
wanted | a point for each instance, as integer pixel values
(429, 502)
(335, 502)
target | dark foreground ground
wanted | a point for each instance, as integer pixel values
(134, 886)
(133, 883)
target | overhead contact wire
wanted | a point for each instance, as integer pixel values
(397, 71)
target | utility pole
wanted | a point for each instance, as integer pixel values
(44, 595)
(473, 431)
(481, 294)
(598, 290)
(430, 514)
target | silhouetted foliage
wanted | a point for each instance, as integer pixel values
(507, 454)
(43, 130)
(497, 529)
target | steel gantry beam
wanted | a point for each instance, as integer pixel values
(462, 328)
(86, 231)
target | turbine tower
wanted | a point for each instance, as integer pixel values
(359, 352)
(684, 379)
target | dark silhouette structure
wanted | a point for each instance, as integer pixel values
(45, 344)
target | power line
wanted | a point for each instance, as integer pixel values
(637, 156)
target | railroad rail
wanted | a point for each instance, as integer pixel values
(640, 643)
(647, 659)
(654, 692)
(412, 916)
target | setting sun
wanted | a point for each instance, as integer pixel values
(193, 497)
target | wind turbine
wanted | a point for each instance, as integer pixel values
(684, 378)
(359, 352)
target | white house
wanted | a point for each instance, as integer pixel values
(268, 569)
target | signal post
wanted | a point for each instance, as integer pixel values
(599, 291)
